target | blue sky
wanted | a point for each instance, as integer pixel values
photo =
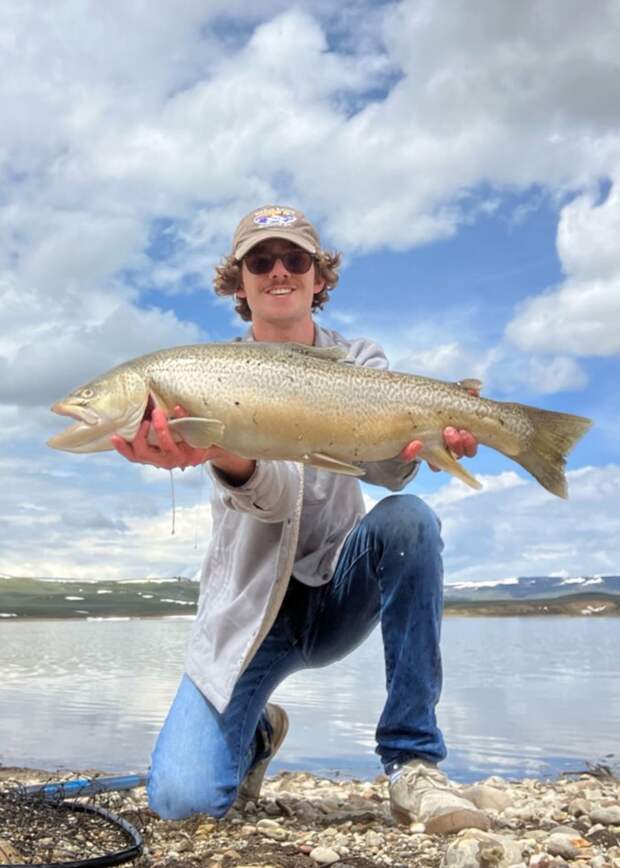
(467, 166)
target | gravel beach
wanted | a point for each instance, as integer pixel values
(302, 821)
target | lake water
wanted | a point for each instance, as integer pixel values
(522, 697)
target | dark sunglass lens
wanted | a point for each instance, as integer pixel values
(297, 261)
(260, 263)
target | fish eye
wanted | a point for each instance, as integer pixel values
(87, 393)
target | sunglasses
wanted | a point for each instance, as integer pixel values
(295, 261)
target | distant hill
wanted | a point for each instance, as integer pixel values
(22, 597)
(531, 588)
(535, 595)
(26, 597)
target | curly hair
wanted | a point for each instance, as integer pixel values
(227, 280)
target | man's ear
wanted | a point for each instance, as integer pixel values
(318, 286)
(240, 291)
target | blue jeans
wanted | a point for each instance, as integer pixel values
(390, 571)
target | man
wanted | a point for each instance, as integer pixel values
(297, 575)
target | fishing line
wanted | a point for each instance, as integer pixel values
(201, 494)
(174, 504)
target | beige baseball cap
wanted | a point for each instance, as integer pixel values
(274, 221)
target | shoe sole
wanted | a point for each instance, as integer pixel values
(446, 824)
(249, 791)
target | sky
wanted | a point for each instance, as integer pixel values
(466, 161)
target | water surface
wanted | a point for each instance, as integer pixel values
(522, 696)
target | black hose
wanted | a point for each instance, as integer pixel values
(116, 858)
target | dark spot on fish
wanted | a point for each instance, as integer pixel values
(236, 403)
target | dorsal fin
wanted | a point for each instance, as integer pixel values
(334, 354)
(470, 384)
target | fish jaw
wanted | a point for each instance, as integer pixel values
(92, 431)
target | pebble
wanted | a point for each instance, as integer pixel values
(8, 853)
(607, 816)
(566, 846)
(272, 830)
(579, 806)
(324, 855)
(535, 824)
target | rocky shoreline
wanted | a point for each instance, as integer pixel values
(302, 821)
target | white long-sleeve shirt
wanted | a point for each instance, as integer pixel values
(287, 519)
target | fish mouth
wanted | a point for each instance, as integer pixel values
(83, 415)
(85, 435)
(91, 432)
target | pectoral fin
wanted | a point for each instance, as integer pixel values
(199, 433)
(438, 455)
(326, 462)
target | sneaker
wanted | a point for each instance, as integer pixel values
(424, 794)
(250, 787)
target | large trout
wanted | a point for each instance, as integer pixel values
(285, 401)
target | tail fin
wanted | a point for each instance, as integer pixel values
(555, 434)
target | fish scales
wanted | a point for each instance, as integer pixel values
(295, 403)
(290, 401)
(300, 404)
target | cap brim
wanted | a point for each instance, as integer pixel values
(266, 234)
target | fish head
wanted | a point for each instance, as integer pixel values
(114, 403)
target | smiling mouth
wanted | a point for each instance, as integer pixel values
(281, 291)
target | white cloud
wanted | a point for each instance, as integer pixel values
(164, 130)
(103, 524)
(449, 348)
(513, 527)
(70, 352)
(180, 122)
(456, 491)
(131, 144)
(580, 316)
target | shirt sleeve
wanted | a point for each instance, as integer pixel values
(270, 494)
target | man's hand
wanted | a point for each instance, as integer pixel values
(460, 443)
(168, 453)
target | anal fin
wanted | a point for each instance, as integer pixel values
(437, 454)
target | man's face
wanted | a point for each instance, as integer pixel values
(279, 297)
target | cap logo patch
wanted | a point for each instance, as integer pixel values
(274, 217)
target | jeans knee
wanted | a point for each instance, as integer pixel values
(407, 519)
(174, 798)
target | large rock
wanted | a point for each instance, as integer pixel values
(487, 798)
(609, 816)
(474, 848)
(464, 853)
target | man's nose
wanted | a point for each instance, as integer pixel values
(279, 269)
